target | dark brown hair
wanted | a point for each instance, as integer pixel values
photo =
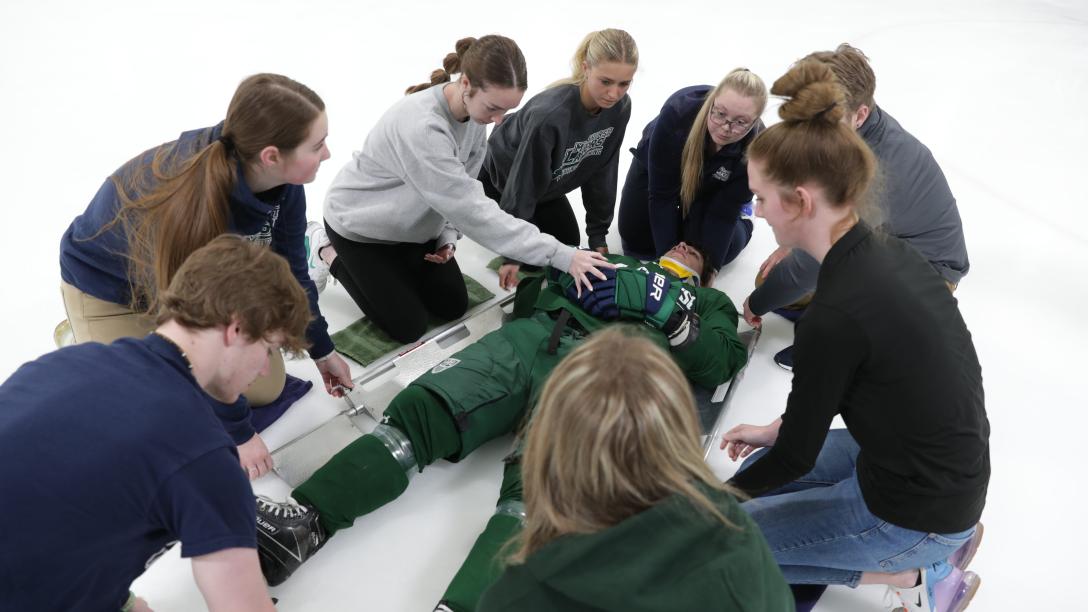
(852, 69)
(175, 198)
(811, 143)
(490, 60)
(231, 277)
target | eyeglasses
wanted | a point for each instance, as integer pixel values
(721, 119)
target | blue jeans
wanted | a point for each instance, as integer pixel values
(821, 531)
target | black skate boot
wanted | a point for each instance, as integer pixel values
(287, 534)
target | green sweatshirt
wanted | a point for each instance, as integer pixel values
(671, 557)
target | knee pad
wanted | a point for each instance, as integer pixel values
(398, 445)
(511, 507)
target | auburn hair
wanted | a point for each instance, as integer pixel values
(175, 198)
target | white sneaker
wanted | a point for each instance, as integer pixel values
(316, 239)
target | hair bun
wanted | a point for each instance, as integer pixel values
(439, 76)
(813, 93)
(451, 63)
(463, 45)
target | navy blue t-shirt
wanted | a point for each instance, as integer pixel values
(108, 456)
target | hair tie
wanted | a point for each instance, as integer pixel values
(226, 141)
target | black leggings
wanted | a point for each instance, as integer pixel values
(555, 216)
(395, 287)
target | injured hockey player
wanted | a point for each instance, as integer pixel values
(487, 390)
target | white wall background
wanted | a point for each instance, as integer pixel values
(996, 89)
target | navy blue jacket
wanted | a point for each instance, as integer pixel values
(717, 204)
(97, 264)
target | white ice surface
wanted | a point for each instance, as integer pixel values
(996, 89)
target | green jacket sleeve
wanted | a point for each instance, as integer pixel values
(718, 353)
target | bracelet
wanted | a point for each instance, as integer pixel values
(130, 603)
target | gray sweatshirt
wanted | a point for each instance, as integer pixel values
(918, 208)
(415, 180)
(553, 146)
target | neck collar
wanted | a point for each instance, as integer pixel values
(680, 270)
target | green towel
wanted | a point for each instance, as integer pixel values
(365, 343)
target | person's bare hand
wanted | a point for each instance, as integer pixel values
(742, 440)
(585, 263)
(750, 317)
(254, 456)
(336, 374)
(442, 255)
(508, 275)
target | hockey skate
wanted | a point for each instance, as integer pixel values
(287, 535)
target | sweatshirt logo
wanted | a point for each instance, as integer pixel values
(722, 174)
(265, 235)
(573, 156)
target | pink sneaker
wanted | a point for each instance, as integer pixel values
(963, 555)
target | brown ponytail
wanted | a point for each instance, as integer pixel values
(178, 201)
(490, 60)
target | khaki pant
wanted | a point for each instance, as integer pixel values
(95, 320)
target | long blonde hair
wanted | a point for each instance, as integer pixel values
(615, 433)
(609, 45)
(744, 82)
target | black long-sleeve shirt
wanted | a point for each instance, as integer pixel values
(884, 345)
